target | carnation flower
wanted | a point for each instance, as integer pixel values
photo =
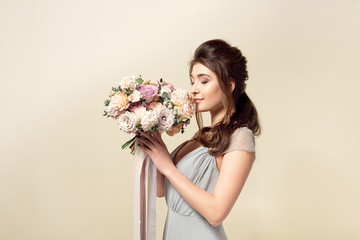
(128, 82)
(119, 101)
(166, 119)
(179, 96)
(112, 112)
(156, 106)
(149, 120)
(135, 96)
(148, 92)
(138, 109)
(127, 122)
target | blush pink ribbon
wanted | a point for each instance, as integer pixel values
(144, 222)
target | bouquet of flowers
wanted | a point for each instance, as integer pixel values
(144, 105)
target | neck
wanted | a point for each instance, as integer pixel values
(217, 116)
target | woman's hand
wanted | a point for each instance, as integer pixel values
(155, 147)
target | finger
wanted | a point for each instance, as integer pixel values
(149, 144)
(143, 148)
(157, 136)
(148, 136)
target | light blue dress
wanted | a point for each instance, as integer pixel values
(183, 222)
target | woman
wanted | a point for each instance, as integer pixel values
(202, 179)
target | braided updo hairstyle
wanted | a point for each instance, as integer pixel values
(229, 65)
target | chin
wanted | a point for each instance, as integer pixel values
(199, 109)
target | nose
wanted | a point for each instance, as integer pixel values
(194, 89)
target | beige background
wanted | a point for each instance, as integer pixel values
(63, 174)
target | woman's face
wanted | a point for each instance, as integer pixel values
(206, 90)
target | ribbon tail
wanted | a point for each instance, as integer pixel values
(151, 210)
(139, 195)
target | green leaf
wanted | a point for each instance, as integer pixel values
(107, 102)
(142, 101)
(165, 95)
(139, 80)
(129, 91)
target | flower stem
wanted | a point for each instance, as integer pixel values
(128, 142)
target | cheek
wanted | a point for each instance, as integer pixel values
(215, 95)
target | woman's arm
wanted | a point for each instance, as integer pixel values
(215, 207)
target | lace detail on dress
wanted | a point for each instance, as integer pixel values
(242, 139)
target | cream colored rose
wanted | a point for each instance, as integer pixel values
(186, 110)
(119, 101)
(135, 96)
(179, 96)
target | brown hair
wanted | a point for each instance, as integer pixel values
(229, 65)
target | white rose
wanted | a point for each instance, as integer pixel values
(149, 120)
(166, 119)
(128, 122)
(128, 82)
(135, 96)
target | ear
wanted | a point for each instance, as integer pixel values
(232, 84)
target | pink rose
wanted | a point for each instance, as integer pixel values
(167, 87)
(148, 92)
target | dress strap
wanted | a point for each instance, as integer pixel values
(176, 150)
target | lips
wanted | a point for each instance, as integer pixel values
(197, 100)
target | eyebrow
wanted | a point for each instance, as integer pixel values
(200, 75)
